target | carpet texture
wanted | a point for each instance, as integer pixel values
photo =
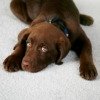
(54, 82)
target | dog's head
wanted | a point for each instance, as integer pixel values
(45, 44)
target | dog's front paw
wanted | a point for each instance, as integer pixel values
(12, 63)
(88, 71)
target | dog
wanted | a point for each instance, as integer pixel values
(54, 30)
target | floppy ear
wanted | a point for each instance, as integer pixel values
(63, 47)
(22, 37)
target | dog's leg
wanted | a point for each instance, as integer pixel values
(19, 9)
(82, 47)
(86, 20)
(13, 62)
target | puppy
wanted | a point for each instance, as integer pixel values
(55, 29)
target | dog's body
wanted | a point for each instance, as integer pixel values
(46, 43)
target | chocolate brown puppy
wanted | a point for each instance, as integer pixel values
(54, 30)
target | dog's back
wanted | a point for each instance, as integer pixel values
(62, 8)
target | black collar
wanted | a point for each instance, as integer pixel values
(60, 24)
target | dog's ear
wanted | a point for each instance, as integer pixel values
(22, 37)
(63, 47)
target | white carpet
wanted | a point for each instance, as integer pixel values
(55, 82)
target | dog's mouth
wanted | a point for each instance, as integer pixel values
(33, 69)
(36, 66)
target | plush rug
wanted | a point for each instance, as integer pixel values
(54, 82)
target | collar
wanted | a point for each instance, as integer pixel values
(60, 24)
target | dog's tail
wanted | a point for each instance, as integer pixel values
(86, 20)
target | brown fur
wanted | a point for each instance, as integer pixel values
(45, 42)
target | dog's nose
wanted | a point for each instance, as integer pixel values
(25, 64)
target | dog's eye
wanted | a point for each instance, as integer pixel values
(28, 44)
(44, 49)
